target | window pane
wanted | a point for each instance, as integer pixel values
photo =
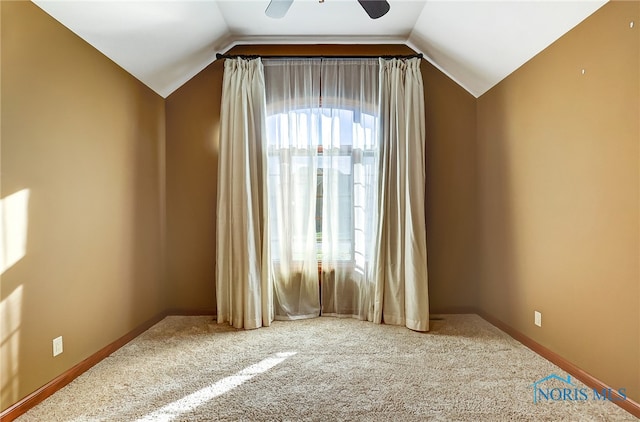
(337, 153)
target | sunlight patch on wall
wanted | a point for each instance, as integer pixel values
(14, 221)
(190, 402)
(10, 320)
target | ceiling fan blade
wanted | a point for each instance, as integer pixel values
(278, 8)
(375, 8)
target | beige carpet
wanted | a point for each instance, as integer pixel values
(325, 369)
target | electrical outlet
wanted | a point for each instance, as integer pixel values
(57, 346)
(537, 318)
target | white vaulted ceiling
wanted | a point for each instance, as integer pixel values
(164, 43)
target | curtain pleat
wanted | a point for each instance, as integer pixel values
(242, 255)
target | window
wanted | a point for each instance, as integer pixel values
(341, 169)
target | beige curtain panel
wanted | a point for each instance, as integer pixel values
(401, 275)
(243, 283)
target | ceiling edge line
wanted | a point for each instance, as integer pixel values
(428, 58)
(316, 39)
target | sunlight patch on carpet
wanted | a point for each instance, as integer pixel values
(190, 402)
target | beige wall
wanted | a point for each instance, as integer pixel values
(191, 168)
(192, 143)
(451, 193)
(82, 138)
(558, 184)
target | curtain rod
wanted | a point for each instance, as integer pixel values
(255, 56)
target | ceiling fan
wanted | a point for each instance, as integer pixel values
(374, 8)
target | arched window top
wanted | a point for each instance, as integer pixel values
(325, 127)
